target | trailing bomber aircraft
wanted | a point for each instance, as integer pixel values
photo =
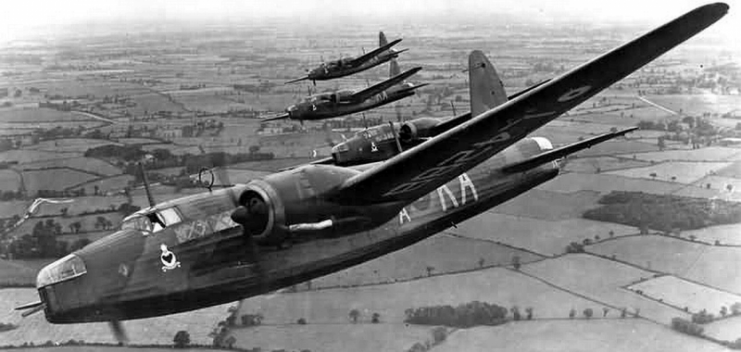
(384, 141)
(346, 102)
(348, 66)
(313, 220)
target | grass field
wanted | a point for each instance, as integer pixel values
(681, 293)
(605, 183)
(33, 115)
(22, 156)
(547, 205)
(79, 145)
(92, 165)
(155, 330)
(390, 301)
(576, 336)
(679, 171)
(602, 280)
(715, 266)
(109, 349)
(57, 179)
(10, 180)
(108, 184)
(20, 272)
(720, 183)
(728, 329)
(444, 253)
(618, 147)
(725, 234)
(332, 337)
(10, 208)
(601, 164)
(541, 236)
(704, 154)
(696, 104)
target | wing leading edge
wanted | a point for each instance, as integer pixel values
(422, 169)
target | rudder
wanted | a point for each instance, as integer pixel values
(485, 87)
(394, 68)
(382, 39)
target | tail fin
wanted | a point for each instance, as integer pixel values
(382, 39)
(486, 89)
(394, 68)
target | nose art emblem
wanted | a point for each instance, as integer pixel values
(168, 259)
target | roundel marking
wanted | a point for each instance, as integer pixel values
(574, 93)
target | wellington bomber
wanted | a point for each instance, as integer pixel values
(295, 225)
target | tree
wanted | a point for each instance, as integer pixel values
(64, 211)
(229, 342)
(182, 339)
(572, 313)
(623, 312)
(529, 311)
(376, 318)
(301, 321)
(723, 311)
(605, 310)
(736, 308)
(481, 262)
(430, 269)
(354, 315)
(588, 313)
(515, 313)
(439, 334)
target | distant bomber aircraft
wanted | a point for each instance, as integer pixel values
(348, 66)
(296, 225)
(346, 102)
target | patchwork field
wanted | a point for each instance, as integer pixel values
(15, 207)
(547, 205)
(58, 179)
(605, 183)
(333, 305)
(602, 280)
(541, 236)
(20, 272)
(577, 336)
(443, 253)
(728, 329)
(703, 154)
(160, 330)
(684, 294)
(601, 164)
(715, 266)
(720, 183)
(28, 156)
(332, 337)
(681, 172)
(79, 145)
(617, 147)
(10, 180)
(725, 234)
(108, 184)
(33, 115)
(91, 165)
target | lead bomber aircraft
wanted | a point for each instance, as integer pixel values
(313, 220)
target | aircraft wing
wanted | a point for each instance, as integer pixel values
(276, 117)
(380, 87)
(422, 169)
(365, 57)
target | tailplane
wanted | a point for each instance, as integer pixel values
(486, 89)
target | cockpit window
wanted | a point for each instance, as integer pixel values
(63, 269)
(152, 222)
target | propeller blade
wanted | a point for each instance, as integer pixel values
(119, 333)
(298, 80)
(396, 136)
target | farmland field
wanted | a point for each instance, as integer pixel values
(333, 305)
(10, 180)
(332, 337)
(601, 164)
(160, 330)
(13, 207)
(617, 147)
(91, 165)
(720, 183)
(20, 272)
(715, 266)
(725, 234)
(34, 115)
(602, 280)
(444, 253)
(80, 145)
(58, 179)
(547, 205)
(696, 104)
(728, 329)
(577, 336)
(683, 172)
(605, 183)
(78, 205)
(22, 156)
(541, 236)
(108, 184)
(681, 293)
(703, 154)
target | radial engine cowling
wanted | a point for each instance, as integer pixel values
(414, 130)
(261, 214)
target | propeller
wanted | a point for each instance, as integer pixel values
(119, 332)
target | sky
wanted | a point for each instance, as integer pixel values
(19, 17)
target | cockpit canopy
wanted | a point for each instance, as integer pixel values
(63, 269)
(151, 220)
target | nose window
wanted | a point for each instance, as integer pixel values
(63, 269)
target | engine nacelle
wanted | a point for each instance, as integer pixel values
(417, 129)
(297, 202)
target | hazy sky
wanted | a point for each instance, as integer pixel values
(18, 16)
